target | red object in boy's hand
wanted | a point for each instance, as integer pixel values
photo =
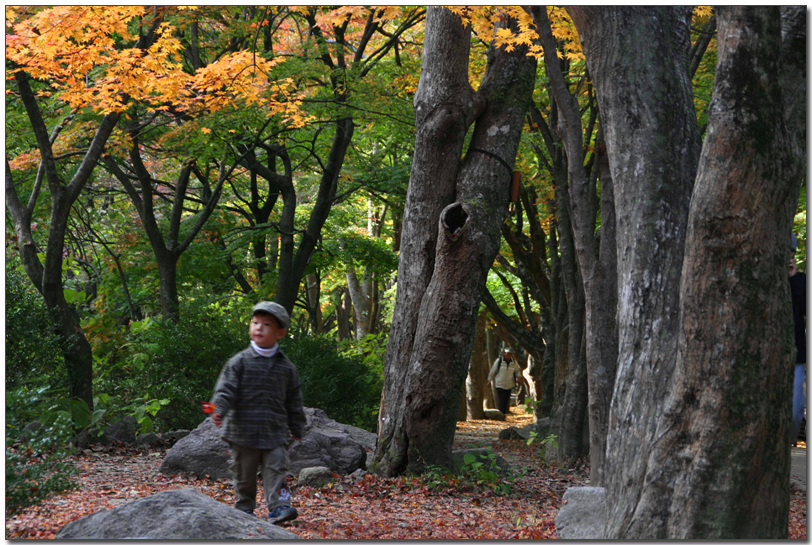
(208, 407)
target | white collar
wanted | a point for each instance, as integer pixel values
(265, 352)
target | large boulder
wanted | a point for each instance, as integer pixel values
(202, 452)
(175, 514)
(325, 443)
(367, 439)
(583, 513)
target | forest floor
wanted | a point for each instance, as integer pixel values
(428, 508)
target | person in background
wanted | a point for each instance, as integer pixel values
(258, 397)
(505, 373)
(797, 283)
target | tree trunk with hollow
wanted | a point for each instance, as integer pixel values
(450, 238)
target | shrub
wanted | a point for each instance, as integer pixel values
(36, 468)
(178, 362)
(345, 385)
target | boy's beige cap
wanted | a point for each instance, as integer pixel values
(274, 309)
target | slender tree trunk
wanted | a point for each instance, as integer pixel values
(313, 292)
(343, 315)
(292, 266)
(477, 382)
(424, 382)
(46, 275)
(571, 407)
(597, 268)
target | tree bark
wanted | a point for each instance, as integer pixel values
(443, 268)
(698, 442)
(723, 441)
(477, 382)
(47, 276)
(637, 57)
(596, 259)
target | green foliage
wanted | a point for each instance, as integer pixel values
(550, 441)
(799, 228)
(33, 349)
(346, 385)
(74, 411)
(478, 472)
(36, 468)
(165, 369)
(484, 473)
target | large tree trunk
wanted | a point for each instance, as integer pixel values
(438, 146)
(723, 440)
(431, 340)
(698, 441)
(637, 57)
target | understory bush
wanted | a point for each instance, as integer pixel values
(478, 472)
(35, 467)
(171, 367)
(346, 385)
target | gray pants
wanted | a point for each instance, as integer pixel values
(273, 464)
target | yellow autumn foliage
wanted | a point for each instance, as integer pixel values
(79, 51)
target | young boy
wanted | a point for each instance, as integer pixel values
(259, 399)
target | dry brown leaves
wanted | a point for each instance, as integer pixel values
(371, 508)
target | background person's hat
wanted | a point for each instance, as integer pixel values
(274, 309)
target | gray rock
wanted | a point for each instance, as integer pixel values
(202, 452)
(122, 431)
(315, 476)
(514, 434)
(175, 514)
(325, 443)
(173, 437)
(541, 428)
(493, 414)
(148, 439)
(28, 431)
(90, 436)
(583, 513)
(358, 475)
(367, 439)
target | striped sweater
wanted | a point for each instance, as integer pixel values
(260, 400)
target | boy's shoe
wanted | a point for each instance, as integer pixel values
(248, 511)
(282, 513)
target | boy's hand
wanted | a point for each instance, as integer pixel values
(217, 418)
